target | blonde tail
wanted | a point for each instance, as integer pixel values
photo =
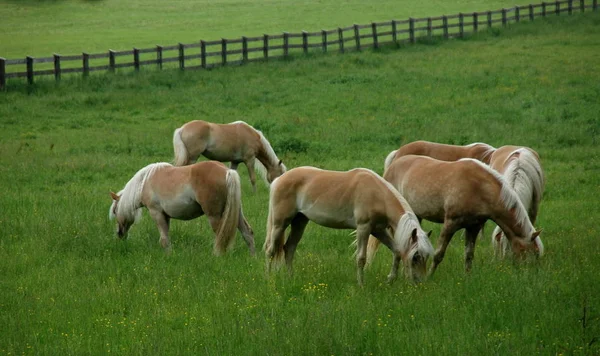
(372, 247)
(231, 213)
(181, 153)
(273, 249)
(388, 160)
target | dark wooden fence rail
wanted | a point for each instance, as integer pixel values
(209, 54)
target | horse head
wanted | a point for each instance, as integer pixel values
(531, 244)
(276, 171)
(415, 264)
(123, 224)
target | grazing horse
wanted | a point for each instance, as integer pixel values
(461, 194)
(358, 199)
(479, 151)
(521, 168)
(184, 193)
(235, 142)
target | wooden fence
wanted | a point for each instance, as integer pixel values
(209, 54)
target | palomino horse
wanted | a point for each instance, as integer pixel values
(235, 142)
(479, 151)
(521, 168)
(358, 199)
(184, 193)
(462, 194)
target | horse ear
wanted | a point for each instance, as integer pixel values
(114, 196)
(413, 236)
(536, 234)
(429, 233)
(280, 162)
(498, 236)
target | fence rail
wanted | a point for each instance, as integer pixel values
(210, 54)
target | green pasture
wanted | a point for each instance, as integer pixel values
(43, 27)
(68, 286)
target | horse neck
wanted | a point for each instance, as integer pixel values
(266, 155)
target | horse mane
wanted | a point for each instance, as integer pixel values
(508, 196)
(407, 223)
(394, 191)
(487, 154)
(525, 176)
(271, 156)
(131, 195)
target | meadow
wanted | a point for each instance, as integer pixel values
(69, 286)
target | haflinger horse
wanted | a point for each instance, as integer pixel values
(522, 169)
(461, 194)
(443, 152)
(184, 193)
(357, 199)
(236, 142)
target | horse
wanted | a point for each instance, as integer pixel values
(357, 199)
(236, 142)
(184, 193)
(461, 194)
(522, 169)
(443, 152)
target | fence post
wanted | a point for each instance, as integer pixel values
(203, 54)
(475, 22)
(445, 26)
(394, 34)
(489, 19)
(324, 40)
(29, 69)
(461, 25)
(581, 6)
(181, 56)
(341, 39)
(159, 56)
(557, 7)
(570, 8)
(411, 30)
(595, 5)
(136, 59)
(543, 9)
(86, 64)
(357, 37)
(374, 32)
(517, 14)
(305, 42)
(56, 66)
(429, 27)
(503, 17)
(244, 48)
(2, 73)
(286, 44)
(223, 51)
(111, 60)
(531, 12)
(266, 46)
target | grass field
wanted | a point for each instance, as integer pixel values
(69, 287)
(43, 27)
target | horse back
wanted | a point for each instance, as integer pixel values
(439, 151)
(502, 156)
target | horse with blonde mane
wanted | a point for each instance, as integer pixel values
(461, 194)
(357, 199)
(184, 193)
(521, 168)
(443, 152)
(236, 142)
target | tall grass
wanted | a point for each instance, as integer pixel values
(68, 286)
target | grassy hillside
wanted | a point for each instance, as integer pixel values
(40, 28)
(69, 286)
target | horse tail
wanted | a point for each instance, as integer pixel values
(388, 160)
(231, 213)
(372, 247)
(273, 249)
(181, 152)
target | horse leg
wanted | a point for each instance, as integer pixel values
(297, 230)
(450, 227)
(386, 239)
(162, 223)
(276, 235)
(470, 239)
(250, 165)
(247, 233)
(234, 166)
(362, 237)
